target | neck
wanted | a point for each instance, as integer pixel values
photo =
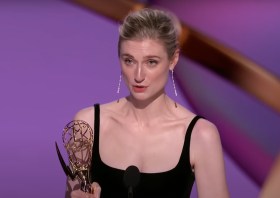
(148, 111)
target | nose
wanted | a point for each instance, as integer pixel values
(139, 75)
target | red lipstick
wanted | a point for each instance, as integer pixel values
(139, 89)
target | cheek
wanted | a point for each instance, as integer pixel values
(159, 80)
(161, 77)
(126, 75)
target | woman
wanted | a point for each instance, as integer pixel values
(169, 144)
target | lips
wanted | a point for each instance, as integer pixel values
(139, 88)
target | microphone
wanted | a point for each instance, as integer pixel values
(131, 179)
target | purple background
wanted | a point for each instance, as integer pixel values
(56, 58)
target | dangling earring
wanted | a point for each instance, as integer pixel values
(174, 87)
(173, 82)
(119, 86)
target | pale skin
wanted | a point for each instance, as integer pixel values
(145, 129)
(270, 188)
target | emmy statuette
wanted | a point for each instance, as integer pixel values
(78, 141)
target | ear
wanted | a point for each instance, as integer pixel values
(174, 60)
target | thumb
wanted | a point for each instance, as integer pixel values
(96, 189)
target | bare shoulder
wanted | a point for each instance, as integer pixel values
(85, 114)
(205, 127)
(205, 133)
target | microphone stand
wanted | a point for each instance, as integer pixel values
(130, 192)
(131, 179)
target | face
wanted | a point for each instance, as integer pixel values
(145, 67)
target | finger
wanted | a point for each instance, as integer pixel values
(77, 194)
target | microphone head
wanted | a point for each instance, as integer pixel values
(131, 176)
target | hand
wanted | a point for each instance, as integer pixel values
(80, 194)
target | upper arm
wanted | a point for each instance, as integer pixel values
(207, 155)
(270, 187)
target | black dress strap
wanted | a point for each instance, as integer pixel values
(96, 129)
(186, 154)
(191, 125)
(96, 117)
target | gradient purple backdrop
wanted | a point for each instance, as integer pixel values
(56, 58)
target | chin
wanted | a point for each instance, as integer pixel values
(142, 97)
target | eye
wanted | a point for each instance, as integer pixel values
(128, 61)
(152, 62)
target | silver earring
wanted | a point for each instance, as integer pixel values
(174, 87)
(173, 82)
(119, 85)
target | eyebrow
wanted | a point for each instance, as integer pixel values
(152, 56)
(122, 55)
(149, 56)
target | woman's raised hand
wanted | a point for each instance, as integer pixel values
(80, 194)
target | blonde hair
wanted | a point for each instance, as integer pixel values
(152, 24)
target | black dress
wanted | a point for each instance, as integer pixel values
(176, 182)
